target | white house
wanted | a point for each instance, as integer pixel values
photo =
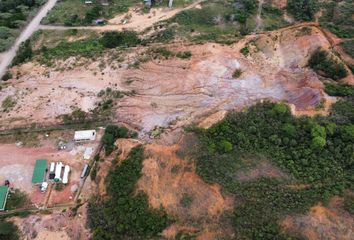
(86, 135)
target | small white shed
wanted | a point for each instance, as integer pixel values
(86, 135)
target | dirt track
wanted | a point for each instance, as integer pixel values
(7, 57)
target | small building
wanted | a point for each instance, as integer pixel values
(4, 192)
(88, 2)
(39, 171)
(86, 135)
(66, 174)
(58, 169)
(104, 3)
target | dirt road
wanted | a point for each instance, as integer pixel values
(8, 56)
(137, 21)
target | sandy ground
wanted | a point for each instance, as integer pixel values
(167, 179)
(323, 223)
(175, 92)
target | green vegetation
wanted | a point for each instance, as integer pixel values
(245, 51)
(302, 9)
(219, 21)
(186, 200)
(316, 153)
(348, 47)
(7, 76)
(16, 199)
(86, 48)
(8, 231)
(326, 65)
(166, 54)
(24, 53)
(338, 17)
(272, 17)
(184, 55)
(111, 134)
(13, 16)
(120, 39)
(349, 203)
(126, 214)
(76, 116)
(237, 73)
(8, 103)
(340, 90)
(76, 12)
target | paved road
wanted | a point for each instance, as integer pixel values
(33, 26)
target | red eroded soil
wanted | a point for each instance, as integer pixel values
(167, 178)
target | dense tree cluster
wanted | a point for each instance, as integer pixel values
(111, 134)
(126, 214)
(316, 153)
(325, 64)
(303, 9)
(8, 231)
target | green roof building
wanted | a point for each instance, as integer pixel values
(39, 171)
(4, 191)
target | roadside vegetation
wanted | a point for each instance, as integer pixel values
(316, 153)
(125, 214)
(13, 16)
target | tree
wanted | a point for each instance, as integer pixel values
(303, 9)
(8, 231)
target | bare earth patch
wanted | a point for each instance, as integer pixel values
(168, 179)
(322, 223)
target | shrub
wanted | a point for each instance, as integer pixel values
(324, 64)
(245, 51)
(7, 76)
(237, 73)
(8, 103)
(186, 200)
(23, 54)
(120, 39)
(184, 55)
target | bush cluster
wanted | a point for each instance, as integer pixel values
(302, 9)
(325, 64)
